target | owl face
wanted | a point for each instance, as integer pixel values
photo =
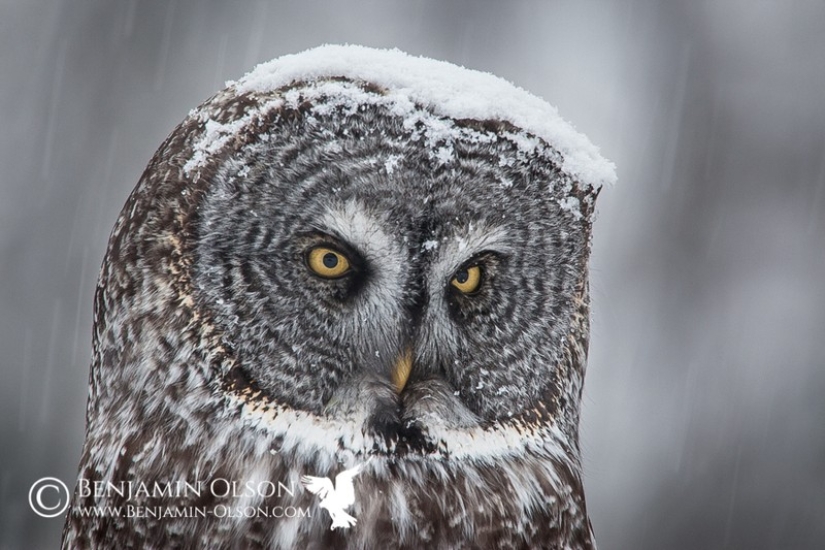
(360, 276)
(350, 263)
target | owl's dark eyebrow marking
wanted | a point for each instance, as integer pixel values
(330, 240)
(480, 258)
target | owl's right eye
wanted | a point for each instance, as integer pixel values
(328, 263)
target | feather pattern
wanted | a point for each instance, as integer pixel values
(230, 383)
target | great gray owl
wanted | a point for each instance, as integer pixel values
(349, 263)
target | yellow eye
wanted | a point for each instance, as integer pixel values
(468, 279)
(327, 262)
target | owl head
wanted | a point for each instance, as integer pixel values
(354, 253)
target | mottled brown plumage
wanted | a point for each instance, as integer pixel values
(221, 353)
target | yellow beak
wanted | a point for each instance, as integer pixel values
(401, 370)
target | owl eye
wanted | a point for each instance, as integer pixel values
(467, 279)
(328, 263)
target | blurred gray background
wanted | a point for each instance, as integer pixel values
(704, 412)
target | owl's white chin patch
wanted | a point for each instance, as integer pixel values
(349, 442)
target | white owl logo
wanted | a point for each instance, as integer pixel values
(335, 499)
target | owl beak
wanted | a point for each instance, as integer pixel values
(401, 370)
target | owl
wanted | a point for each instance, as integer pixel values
(351, 265)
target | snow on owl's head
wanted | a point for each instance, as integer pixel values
(352, 253)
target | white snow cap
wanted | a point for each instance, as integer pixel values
(449, 90)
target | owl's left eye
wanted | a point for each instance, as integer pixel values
(328, 263)
(467, 279)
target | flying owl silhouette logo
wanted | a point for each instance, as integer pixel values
(335, 499)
